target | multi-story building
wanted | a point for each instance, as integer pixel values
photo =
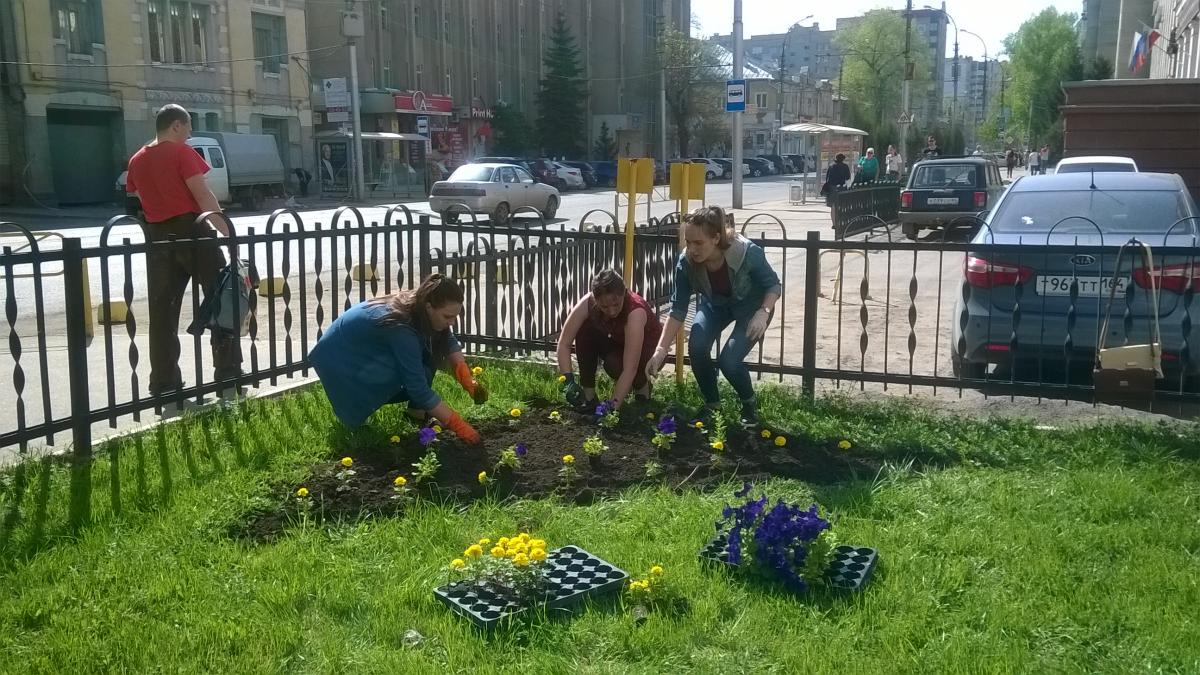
(1106, 29)
(466, 56)
(968, 107)
(805, 50)
(1177, 54)
(91, 76)
(928, 27)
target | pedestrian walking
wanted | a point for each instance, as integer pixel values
(168, 177)
(1010, 160)
(387, 350)
(612, 326)
(836, 177)
(737, 286)
(893, 163)
(1034, 162)
(1044, 159)
(931, 150)
(868, 168)
(978, 151)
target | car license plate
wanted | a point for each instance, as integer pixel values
(941, 201)
(1087, 286)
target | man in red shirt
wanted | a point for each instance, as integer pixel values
(168, 177)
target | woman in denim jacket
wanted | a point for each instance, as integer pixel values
(736, 285)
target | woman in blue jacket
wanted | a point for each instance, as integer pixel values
(736, 286)
(387, 350)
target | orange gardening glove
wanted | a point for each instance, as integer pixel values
(462, 373)
(463, 430)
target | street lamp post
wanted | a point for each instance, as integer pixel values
(985, 71)
(737, 116)
(783, 69)
(953, 64)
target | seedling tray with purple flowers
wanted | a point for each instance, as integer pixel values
(850, 568)
(570, 574)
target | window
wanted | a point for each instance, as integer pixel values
(216, 159)
(157, 31)
(195, 120)
(270, 40)
(417, 19)
(199, 43)
(760, 100)
(179, 31)
(178, 52)
(523, 176)
(76, 24)
(212, 121)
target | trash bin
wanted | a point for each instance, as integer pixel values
(796, 193)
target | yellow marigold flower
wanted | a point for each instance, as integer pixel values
(537, 543)
(482, 477)
(503, 541)
(437, 429)
(395, 439)
(347, 462)
(511, 552)
(302, 492)
(699, 424)
(844, 445)
(477, 371)
(457, 564)
(400, 481)
(524, 536)
(537, 555)
(498, 551)
(554, 415)
(650, 416)
(562, 378)
(568, 459)
(515, 412)
(657, 570)
(473, 551)
(780, 441)
(485, 541)
(718, 445)
(521, 560)
(521, 547)
(766, 433)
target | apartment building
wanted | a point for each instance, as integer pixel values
(92, 74)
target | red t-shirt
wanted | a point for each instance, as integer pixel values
(720, 282)
(158, 173)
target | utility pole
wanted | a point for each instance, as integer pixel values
(737, 116)
(353, 27)
(662, 83)
(906, 85)
(779, 114)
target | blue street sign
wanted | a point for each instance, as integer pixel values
(735, 96)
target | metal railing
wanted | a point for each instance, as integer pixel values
(877, 199)
(900, 313)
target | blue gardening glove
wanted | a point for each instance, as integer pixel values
(572, 392)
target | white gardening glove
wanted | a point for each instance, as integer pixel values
(655, 363)
(757, 326)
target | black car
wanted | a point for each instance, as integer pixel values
(759, 167)
(587, 171)
(798, 163)
(503, 160)
(943, 190)
(778, 164)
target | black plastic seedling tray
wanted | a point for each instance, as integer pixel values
(850, 568)
(571, 574)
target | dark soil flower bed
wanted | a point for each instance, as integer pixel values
(690, 461)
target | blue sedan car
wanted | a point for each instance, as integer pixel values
(1055, 301)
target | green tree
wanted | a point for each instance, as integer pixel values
(873, 71)
(1043, 54)
(606, 145)
(695, 79)
(512, 131)
(563, 94)
(1099, 69)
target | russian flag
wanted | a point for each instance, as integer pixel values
(1137, 55)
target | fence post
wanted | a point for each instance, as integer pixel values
(812, 283)
(77, 377)
(491, 309)
(423, 248)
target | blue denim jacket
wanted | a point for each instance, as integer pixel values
(750, 273)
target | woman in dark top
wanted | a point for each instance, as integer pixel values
(836, 178)
(612, 325)
(387, 350)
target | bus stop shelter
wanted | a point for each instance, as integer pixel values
(829, 140)
(394, 165)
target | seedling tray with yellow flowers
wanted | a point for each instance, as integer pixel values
(493, 583)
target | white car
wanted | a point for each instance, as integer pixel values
(712, 170)
(1097, 163)
(745, 165)
(492, 189)
(570, 175)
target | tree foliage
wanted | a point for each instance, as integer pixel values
(513, 133)
(606, 145)
(1043, 54)
(563, 94)
(695, 79)
(873, 72)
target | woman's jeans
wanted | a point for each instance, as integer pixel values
(706, 330)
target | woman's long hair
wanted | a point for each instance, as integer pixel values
(408, 307)
(715, 223)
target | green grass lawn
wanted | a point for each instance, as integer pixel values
(1032, 551)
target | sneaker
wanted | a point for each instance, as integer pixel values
(749, 414)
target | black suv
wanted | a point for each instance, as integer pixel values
(942, 190)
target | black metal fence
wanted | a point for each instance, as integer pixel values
(870, 313)
(857, 208)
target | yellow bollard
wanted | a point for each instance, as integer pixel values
(112, 312)
(88, 327)
(271, 287)
(364, 272)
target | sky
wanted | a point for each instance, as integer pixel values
(993, 20)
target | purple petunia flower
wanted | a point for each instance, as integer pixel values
(426, 436)
(746, 487)
(667, 425)
(521, 449)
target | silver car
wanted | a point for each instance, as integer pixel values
(496, 190)
(1063, 294)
